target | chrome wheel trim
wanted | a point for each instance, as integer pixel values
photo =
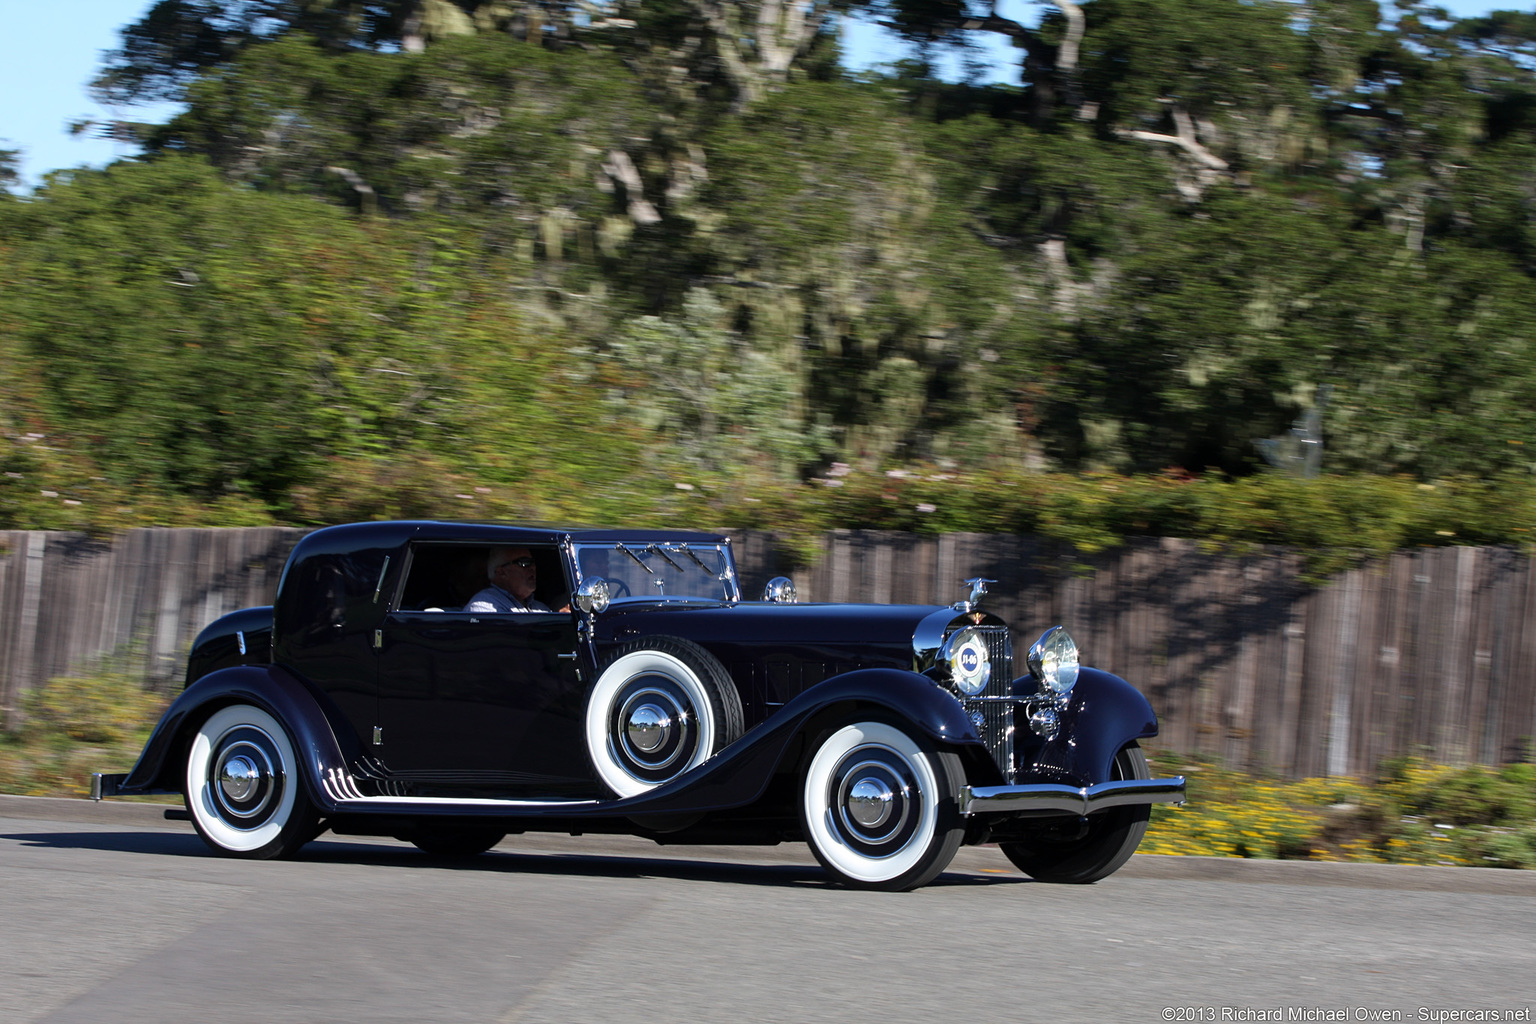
(245, 780)
(874, 795)
(647, 728)
(237, 813)
(893, 763)
(652, 727)
(630, 683)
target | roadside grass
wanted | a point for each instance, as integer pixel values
(1414, 812)
(74, 726)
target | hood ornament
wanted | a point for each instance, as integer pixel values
(978, 587)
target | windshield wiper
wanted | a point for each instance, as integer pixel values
(696, 559)
(620, 546)
(663, 554)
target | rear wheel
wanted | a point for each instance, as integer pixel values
(879, 809)
(1080, 853)
(243, 788)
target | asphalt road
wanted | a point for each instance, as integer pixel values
(116, 916)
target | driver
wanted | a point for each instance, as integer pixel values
(513, 577)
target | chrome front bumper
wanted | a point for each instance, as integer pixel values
(1049, 798)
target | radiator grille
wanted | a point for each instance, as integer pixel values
(997, 715)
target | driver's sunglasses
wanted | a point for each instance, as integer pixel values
(521, 563)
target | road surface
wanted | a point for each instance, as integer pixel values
(109, 914)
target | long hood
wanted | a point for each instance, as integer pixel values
(855, 626)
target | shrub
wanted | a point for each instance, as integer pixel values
(1415, 813)
(74, 726)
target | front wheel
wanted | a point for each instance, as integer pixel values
(879, 808)
(1083, 853)
(243, 787)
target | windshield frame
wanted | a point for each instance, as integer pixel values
(665, 561)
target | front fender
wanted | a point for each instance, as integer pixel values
(268, 687)
(1103, 714)
(913, 697)
(741, 773)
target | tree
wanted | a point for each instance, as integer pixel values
(712, 400)
(10, 177)
(179, 40)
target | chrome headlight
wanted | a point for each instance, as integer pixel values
(781, 590)
(1053, 660)
(593, 595)
(970, 666)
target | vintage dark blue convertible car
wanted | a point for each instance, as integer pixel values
(372, 700)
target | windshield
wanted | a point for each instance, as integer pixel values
(652, 570)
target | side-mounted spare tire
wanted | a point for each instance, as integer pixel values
(660, 706)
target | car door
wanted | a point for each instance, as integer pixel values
(483, 703)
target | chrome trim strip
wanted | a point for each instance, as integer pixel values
(1054, 798)
(342, 788)
(383, 571)
(359, 803)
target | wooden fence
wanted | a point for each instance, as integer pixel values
(67, 601)
(1430, 652)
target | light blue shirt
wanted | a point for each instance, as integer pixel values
(496, 600)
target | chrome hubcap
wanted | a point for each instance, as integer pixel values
(239, 777)
(653, 733)
(246, 776)
(870, 802)
(876, 800)
(649, 728)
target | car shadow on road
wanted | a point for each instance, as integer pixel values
(504, 859)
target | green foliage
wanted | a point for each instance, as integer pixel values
(76, 725)
(1335, 520)
(1415, 813)
(512, 276)
(1239, 64)
(476, 123)
(107, 706)
(707, 399)
(9, 176)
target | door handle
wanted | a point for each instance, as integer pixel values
(567, 657)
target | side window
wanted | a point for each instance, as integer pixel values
(446, 577)
(443, 577)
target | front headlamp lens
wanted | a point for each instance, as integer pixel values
(1053, 660)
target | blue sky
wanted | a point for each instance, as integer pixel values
(54, 47)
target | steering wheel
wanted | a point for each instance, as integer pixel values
(614, 586)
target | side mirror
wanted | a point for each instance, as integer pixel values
(780, 590)
(592, 596)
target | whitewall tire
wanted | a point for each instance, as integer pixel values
(243, 785)
(879, 808)
(660, 707)
(1074, 853)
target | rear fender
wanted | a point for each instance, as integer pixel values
(319, 745)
